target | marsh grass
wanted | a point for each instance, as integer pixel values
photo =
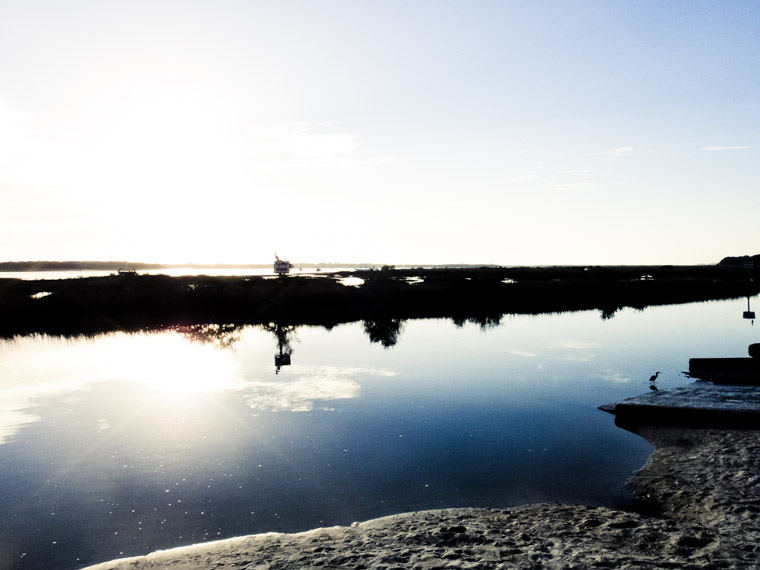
(134, 301)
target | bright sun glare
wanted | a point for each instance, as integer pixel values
(171, 364)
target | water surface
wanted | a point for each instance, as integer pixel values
(171, 271)
(121, 444)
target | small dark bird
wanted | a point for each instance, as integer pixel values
(654, 377)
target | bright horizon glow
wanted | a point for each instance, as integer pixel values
(513, 133)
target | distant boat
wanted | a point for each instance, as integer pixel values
(281, 267)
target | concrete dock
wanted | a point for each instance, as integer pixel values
(700, 404)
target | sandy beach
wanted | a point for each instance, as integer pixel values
(700, 493)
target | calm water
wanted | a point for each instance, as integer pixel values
(122, 444)
(172, 271)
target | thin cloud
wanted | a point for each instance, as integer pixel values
(22, 149)
(14, 125)
(618, 152)
(743, 147)
(523, 178)
(579, 179)
(303, 140)
(577, 344)
(299, 395)
(301, 143)
(518, 352)
(12, 117)
(577, 350)
(572, 186)
(614, 377)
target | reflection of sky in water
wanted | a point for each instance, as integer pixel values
(164, 364)
(128, 443)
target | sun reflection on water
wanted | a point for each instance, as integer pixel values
(169, 370)
(166, 365)
(169, 363)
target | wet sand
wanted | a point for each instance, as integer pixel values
(701, 490)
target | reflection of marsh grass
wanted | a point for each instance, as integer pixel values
(479, 295)
(218, 335)
(485, 322)
(384, 331)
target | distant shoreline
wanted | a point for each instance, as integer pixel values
(115, 266)
(17, 266)
(132, 300)
(20, 266)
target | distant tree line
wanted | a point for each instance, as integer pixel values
(115, 265)
(109, 265)
(740, 261)
(386, 298)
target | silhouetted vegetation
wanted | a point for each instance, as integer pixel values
(388, 295)
(218, 335)
(485, 322)
(741, 261)
(384, 331)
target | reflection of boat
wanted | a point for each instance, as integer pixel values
(282, 360)
(749, 313)
(283, 344)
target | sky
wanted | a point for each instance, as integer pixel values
(513, 132)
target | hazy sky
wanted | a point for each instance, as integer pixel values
(411, 131)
